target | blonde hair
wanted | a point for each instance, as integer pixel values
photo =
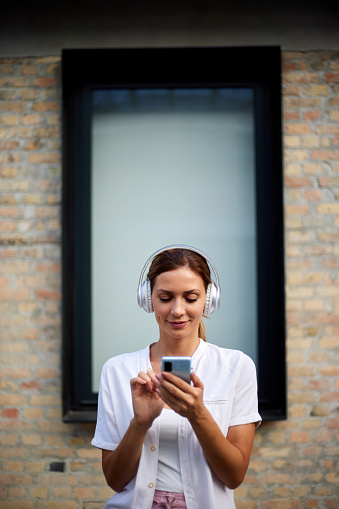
(202, 330)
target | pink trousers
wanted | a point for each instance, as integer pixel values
(168, 500)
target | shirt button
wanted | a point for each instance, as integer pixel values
(150, 485)
(153, 448)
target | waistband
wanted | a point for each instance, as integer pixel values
(168, 500)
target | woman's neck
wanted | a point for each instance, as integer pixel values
(174, 347)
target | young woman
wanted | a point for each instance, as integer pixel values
(166, 443)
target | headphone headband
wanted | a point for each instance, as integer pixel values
(144, 294)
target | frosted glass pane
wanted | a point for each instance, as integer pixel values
(171, 167)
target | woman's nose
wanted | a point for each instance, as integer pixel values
(177, 309)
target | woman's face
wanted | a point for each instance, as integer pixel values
(178, 299)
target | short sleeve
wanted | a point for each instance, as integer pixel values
(245, 401)
(106, 432)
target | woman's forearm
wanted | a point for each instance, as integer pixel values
(121, 465)
(228, 457)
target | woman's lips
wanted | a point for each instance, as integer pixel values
(177, 325)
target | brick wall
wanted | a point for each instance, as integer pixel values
(294, 462)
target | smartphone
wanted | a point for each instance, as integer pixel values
(179, 366)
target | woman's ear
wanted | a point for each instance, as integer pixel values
(146, 297)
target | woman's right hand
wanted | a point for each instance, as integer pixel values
(147, 404)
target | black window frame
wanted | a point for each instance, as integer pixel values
(84, 70)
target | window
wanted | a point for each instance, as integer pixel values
(187, 151)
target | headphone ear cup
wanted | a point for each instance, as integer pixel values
(146, 297)
(211, 299)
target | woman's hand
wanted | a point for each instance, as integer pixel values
(147, 404)
(183, 398)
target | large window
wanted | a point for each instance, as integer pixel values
(188, 151)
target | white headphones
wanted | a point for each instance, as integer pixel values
(144, 292)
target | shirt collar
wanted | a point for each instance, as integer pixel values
(146, 360)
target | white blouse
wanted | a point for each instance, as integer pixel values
(168, 474)
(230, 394)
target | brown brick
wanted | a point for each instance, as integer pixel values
(327, 129)
(14, 294)
(44, 158)
(62, 491)
(48, 60)
(29, 70)
(46, 106)
(10, 120)
(35, 467)
(312, 115)
(48, 294)
(297, 209)
(300, 397)
(297, 128)
(17, 107)
(311, 503)
(297, 181)
(312, 195)
(44, 400)
(47, 132)
(292, 169)
(48, 211)
(325, 154)
(298, 102)
(296, 411)
(332, 77)
(333, 424)
(17, 491)
(291, 115)
(300, 77)
(329, 342)
(319, 90)
(15, 479)
(32, 413)
(331, 370)
(11, 399)
(84, 493)
(334, 115)
(47, 82)
(39, 493)
(31, 439)
(10, 439)
(310, 141)
(10, 413)
(292, 141)
(14, 466)
(52, 504)
(47, 373)
(53, 119)
(14, 82)
(89, 453)
(7, 226)
(332, 477)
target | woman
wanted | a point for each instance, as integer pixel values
(166, 443)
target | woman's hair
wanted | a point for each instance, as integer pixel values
(175, 258)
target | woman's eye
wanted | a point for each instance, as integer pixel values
(165, 299)
(191, 300)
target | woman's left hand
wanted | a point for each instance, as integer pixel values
(183, 398)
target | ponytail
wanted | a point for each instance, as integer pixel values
(202, 331)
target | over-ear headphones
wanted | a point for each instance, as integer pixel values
(144, 292)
